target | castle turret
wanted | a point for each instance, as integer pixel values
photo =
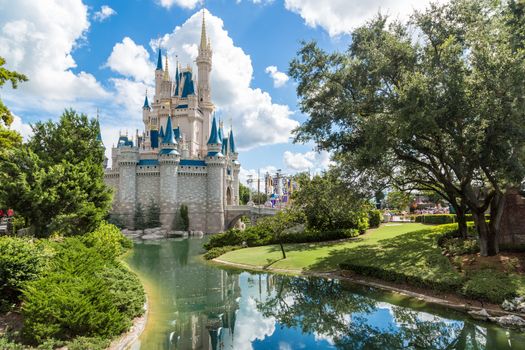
(204, 87)
(159, 73)
(236, 167)
(127, 166)
(169, 159)
(215, 163)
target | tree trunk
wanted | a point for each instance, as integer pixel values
(282, 249)
(488, 243)
(461, 209)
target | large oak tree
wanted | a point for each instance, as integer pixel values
(438, 102)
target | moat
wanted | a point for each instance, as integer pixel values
(194, 305)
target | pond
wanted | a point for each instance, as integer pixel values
(194, 305)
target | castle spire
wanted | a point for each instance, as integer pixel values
(166, 71)
(159, 60)
(169, 139)
(232, 142)
(204, 41)
(214, 134)
(146, 102)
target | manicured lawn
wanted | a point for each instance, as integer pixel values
(315, 256)
(406, 253)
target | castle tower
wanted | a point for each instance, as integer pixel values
(127, 166)
(236, 167)
(204, 87)
(215, 162)
(159, 74)
(169, 159)
(146, 118)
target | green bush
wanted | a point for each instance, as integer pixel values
(218, 251)
(440, 219)
(459, 246)
(489, 285)
(375, 217)
(21, 260)
(64, 306)
(107, 240)
(86, 293)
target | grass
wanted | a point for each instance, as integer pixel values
(406, 253)
(318, 257)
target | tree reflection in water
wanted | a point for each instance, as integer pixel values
(327, 308)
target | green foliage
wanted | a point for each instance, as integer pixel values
(489, 285)
(85, 293)
(153, 216)
(184, 217)
(443, 113)
(440, 219)
(14, 78)
(399, 200)
(21, 260)
(375, 217)
(218, 251)
(328, 205)
(244, 194)
(56, 181)
(63, 306)
(139, 219)
(458, 246)
(108, 241)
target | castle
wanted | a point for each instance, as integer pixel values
(183, 156)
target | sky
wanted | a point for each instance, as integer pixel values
(94, 55)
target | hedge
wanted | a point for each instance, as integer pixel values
(441, 219)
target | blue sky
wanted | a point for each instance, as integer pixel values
(100, 54)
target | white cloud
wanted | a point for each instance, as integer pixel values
(37, 38)
(251, 325)
(131, 60)
(308, 161)
(104, 13)
(188, 4)
(284, 346)
(24, 129)
(256, 119)
(342, 16)
(279, 78)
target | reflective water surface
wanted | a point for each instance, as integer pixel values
(197, 306)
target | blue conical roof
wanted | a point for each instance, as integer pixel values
(214, 134)
(159, 60)
(177, 80)
(232, 142)
(161, 133)
(146, 103)
(220, 133)
(168, 137)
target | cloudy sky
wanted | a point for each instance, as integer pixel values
(92, 55)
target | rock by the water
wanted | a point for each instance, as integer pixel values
(508, 305)
(511, 321)
(482, 315)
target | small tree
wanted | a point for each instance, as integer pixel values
(138, 218)
(184, 217)
(244, 194)
(153, 217)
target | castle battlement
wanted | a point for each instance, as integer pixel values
(181, 156)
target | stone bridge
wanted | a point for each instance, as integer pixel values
(234, 212)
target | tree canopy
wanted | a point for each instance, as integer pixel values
(437, 103)
(55, 181)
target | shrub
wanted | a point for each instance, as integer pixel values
(21, 260)
(460, 246)
(218, 251)
(489, 285)
(440, 219)
(107, 240)
(63, 306)
(375, 218)
(86, 292)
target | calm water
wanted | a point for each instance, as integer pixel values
(197, 306)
